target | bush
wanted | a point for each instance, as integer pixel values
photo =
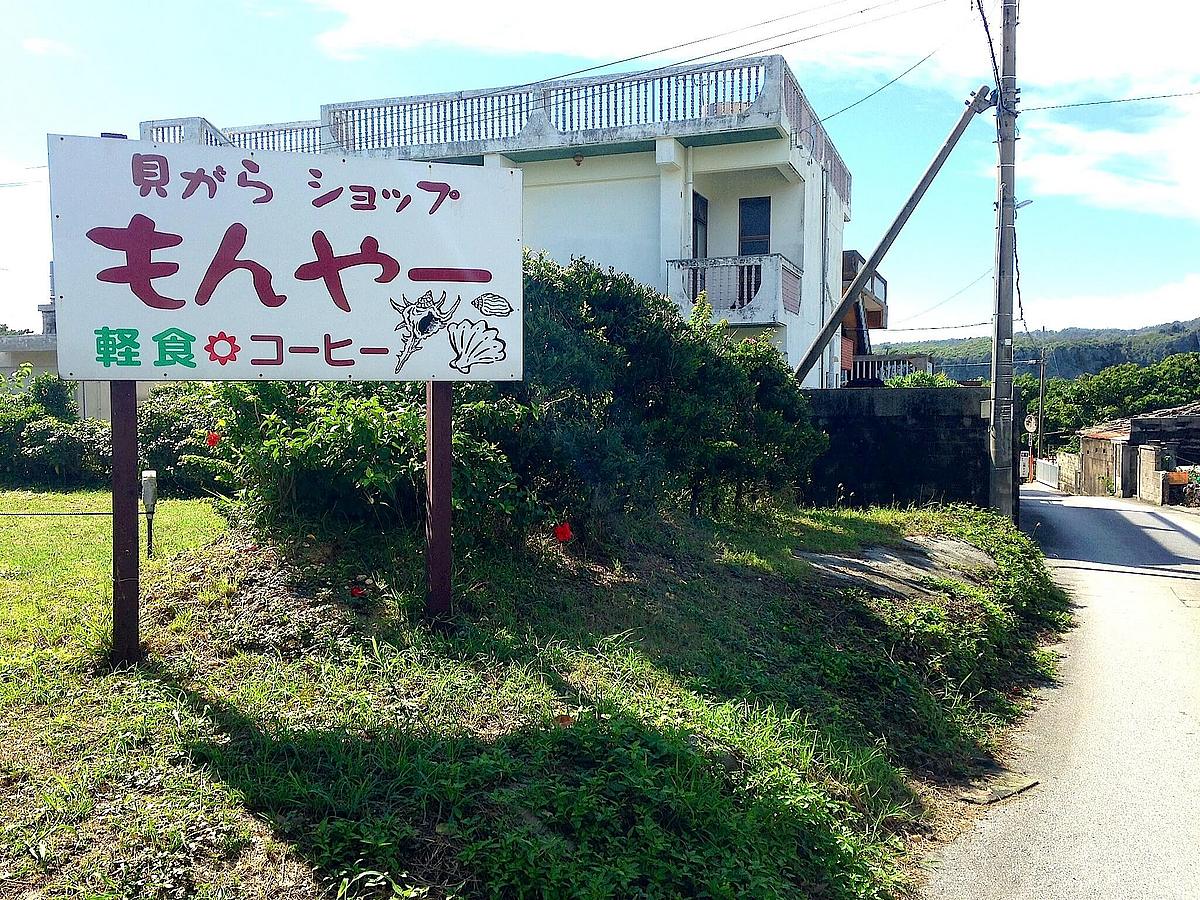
(55, 396)
(624, 404)
(66, 453)
(922, 380)
(173, 427)
(357, 452)
(14, 419)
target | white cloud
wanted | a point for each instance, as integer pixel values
(1069, 50)
(1150, 171)
(1171, 302)
(40, 46)
(24, 244)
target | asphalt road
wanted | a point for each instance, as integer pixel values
(1116, 745)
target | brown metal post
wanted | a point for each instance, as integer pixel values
(126, 643)
(438, 553)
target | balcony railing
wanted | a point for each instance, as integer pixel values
(755, 96)
(885, 366)
(745, 290)
(662, 97)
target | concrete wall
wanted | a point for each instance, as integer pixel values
(1098, 459)
(1183, 432)
(1070, 472)
(606, 209)
(92, 397)
(901, 445)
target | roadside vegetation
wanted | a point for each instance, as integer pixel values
(647, 692)
(691, 715)
(1116, 392)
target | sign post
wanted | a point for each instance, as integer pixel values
(126, 642)
(188, 262)
(438, 493)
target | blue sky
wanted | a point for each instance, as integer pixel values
(1111, 239)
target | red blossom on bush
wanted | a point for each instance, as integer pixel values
(562, 532)
(212, 439)
(357, 591)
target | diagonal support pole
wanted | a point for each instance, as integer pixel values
(978, 102)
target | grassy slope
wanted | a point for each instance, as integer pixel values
(698, 717)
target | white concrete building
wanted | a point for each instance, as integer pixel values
(715, 178)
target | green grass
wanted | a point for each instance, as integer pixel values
(695, 715)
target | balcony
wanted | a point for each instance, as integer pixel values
(744, 290)
(750, 99)
(884, 366)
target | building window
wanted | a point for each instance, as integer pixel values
(699, 226)
(754, 226)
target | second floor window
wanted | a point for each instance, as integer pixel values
(754, 226)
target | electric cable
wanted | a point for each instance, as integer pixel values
(647, 74)
(1194, 93)
(986, 272)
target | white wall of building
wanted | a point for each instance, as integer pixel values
(606, 208)
(633, 211)
(724, 190)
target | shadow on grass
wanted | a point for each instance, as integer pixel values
(602, 806)
(609, 803)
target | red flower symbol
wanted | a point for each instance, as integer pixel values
(357, 591)
(562, 532)
(222, 347)
(212, 439)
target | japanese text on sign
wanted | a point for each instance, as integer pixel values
(210, 263)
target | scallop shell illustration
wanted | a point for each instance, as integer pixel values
(492, 305)
(474, 343)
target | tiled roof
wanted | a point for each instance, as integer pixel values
(1115, 429)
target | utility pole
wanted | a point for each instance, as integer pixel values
(1001, 488)
(1041, 395)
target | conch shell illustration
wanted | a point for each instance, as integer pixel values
(420, 319)
(474, 343)
(492, 305)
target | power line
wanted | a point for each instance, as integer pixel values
(982, 275)
(987, 31)
(649, 73)
(975, 365)
(711, 37)
(941, 327)
(879, 89)
(1109, 102)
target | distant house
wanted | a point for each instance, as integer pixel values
(1135, 456)
(868, 313)
(716, 179)
(40, 351)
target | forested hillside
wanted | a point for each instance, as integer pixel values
(1071, 352)
(1116, 392)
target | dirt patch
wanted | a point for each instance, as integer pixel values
(248, 598)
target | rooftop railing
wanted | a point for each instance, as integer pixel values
(754, 95)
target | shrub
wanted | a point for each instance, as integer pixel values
(173, 426)
(357, 452)
(67, 453)
(624, 404)
(922, 380)
(55, 396)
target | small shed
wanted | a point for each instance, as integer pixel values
(1122, 456)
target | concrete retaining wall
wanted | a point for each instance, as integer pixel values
(901, 445)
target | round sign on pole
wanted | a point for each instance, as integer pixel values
(1031, 423)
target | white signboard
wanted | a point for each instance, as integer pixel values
(186, 262)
